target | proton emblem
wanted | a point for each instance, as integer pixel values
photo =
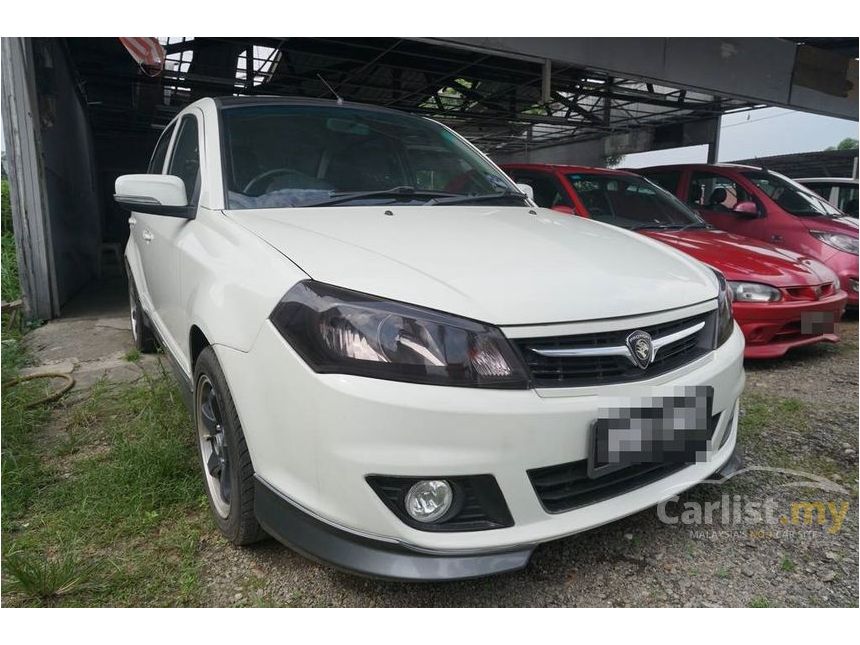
(641, 349)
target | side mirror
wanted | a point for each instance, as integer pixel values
(564, 208)
(153, 194)
(746, 209)
(525, 188)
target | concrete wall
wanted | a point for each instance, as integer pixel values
(585, 153)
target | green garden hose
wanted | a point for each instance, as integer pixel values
(53, 396)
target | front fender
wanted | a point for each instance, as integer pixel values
(231, 282)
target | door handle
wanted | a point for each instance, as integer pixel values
(147, 236)
(132, 221)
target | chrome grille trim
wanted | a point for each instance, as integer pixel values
(619, 350)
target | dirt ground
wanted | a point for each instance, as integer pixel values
(799, 413)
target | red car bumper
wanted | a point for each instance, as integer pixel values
(773, 328)
(845, 266)
(850, 286)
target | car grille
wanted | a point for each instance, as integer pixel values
(567, 486)
(576, 371)
(811, 293)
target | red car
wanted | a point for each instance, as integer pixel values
(767, 206)
(781, 299)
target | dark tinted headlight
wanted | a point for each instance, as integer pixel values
(341, 331)
(725, 319)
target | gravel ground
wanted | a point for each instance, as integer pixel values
(799, 412)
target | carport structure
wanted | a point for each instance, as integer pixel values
(79, 112)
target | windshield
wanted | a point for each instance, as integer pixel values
(281, 156)
(791, 196)
(632, 202)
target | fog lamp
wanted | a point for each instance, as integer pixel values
(428, 500)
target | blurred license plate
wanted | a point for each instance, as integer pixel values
(668, 430)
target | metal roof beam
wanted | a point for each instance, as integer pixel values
(774, 71)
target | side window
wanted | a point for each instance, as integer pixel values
(546, 189)
(185, 161)
(666, 179)
(156, 164)
(715, 193)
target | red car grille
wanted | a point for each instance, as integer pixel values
(809, 293)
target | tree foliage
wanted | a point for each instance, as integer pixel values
(846, 144)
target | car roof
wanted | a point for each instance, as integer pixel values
(564, 168)
(828, 180)
(223, 102)
(700, 166)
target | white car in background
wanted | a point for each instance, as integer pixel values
(396, 362)
(841, 192)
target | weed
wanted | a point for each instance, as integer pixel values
(39, 578)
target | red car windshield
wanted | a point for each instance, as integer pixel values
(632, 202)
(791, 196)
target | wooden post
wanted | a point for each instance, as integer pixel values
(22, 133)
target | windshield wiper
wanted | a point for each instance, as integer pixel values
(397, 191)
(460, 199)
(656, 227)
(671, 227)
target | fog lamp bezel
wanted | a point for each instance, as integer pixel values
(471, 493)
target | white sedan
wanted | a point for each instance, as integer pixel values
(396, 362)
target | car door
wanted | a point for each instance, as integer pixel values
(139, 224)
(716, 197)
(162, 233)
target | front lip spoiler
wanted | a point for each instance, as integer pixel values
(366, 556)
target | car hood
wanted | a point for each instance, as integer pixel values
(747, 259)
(503, 265)
(846, 225)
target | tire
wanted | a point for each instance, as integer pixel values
(228, 473)
(141, 330)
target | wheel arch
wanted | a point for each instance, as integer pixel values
(197, 342)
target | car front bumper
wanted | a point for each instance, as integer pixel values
(773, 328)
(846, 267)
(314, 438)
(332, 545)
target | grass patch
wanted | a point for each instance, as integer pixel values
(23, 474)
(10, 286)
(765, 413)
(759, 602)
(122, 490)
(5, 207)
(132, 355)
(789, 433)
(787, 565)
